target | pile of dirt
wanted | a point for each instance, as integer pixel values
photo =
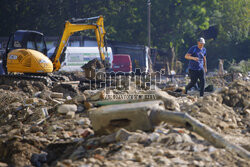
(49, 126)
(93, 64)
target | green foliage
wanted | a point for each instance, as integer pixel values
(242, 67)
(174, 23)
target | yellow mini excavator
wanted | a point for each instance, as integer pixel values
(26, 51)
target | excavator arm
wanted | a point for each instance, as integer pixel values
(70, 29)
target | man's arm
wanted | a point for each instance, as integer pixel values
(189, 57)
(205, 63)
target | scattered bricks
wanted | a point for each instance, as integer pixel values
(56, 95)
(65, 108)
(109, 119)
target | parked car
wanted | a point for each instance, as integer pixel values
(122, 63)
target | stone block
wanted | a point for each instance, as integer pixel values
(65, 108)
(56, 95)
(133, 116)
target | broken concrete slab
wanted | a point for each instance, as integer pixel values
(109, 119)
(170, 102)
(56, 95)
(65, 108)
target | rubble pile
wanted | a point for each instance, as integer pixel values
(63, 125)
(93, 64)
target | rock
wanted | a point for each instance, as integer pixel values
(41, 102)
(68, 98)
(56, 95)
(122, 135)
(37, 94)
(246, 111)
(86, 132)
(35, 129)
(108, 139)
(100, 95)
(162, 161)
(38, 159)
(56, 102)
(80, 98)
(138, 157)
(223, 125)
(170, 102)
(195, 108)
(65, 108)
(88, 105)
(159, 152)
(109, 119)
(136, 138)
(80, 108)
(186, 138)
(211, 149)
(67, 134)
(3, 164)
(198, 163)
(9, 116)
(154, 137)
(172, 138)
(45, 94)
(179, 161)
(15, 105)
(232, 91)
(83, 121)
(70, 114)
(206, 109)
(66, 89)
(233, 126)
(99, 157)
(170, 154)
(31, 101)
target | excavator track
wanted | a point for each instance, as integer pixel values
(12, 78)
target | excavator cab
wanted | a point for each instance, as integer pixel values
(26, 52)
(26, 39)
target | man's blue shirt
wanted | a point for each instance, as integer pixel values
(196, 52)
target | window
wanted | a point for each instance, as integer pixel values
(31, 45)
(40, 44)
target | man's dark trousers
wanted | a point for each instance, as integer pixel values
(194, 76)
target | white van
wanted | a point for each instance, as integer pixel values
(76, 57)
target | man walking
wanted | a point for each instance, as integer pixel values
(197, 65)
